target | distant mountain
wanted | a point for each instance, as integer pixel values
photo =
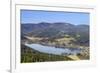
(45, 29)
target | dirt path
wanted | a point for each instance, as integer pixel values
(74, 57)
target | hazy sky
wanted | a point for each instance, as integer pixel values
(33, 16)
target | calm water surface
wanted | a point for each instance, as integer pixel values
(53, 50)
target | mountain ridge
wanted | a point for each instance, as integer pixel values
(65, 28)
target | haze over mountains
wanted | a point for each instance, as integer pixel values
(45, 29)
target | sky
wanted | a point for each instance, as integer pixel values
(37, 16)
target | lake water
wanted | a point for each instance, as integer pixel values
(52, 50)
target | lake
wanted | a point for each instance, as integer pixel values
(53, 50)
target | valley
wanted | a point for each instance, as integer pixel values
(59, 35)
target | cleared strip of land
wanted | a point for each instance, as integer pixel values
(74, 57)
